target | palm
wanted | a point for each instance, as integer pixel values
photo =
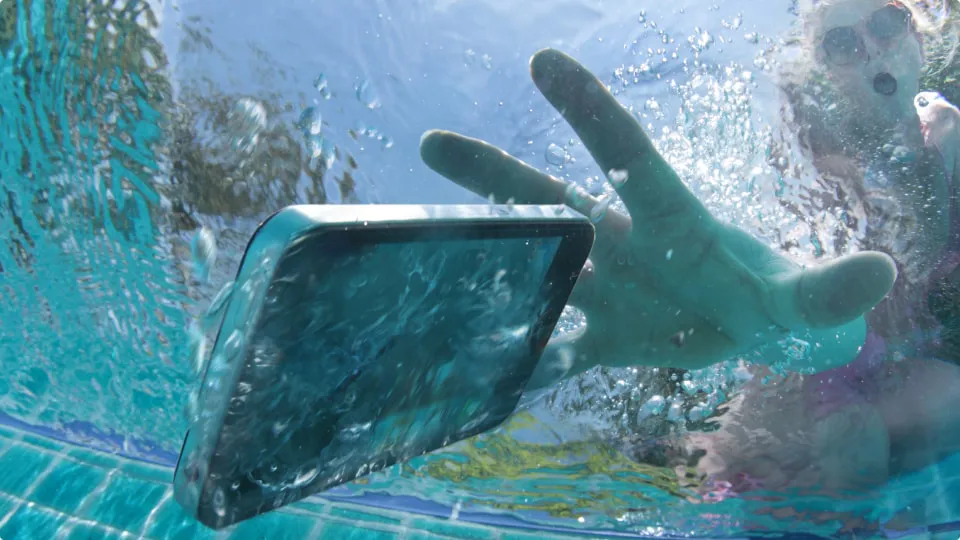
(669, 284)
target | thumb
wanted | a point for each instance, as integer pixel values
(834, 293)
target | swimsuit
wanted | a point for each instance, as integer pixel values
(828, 391)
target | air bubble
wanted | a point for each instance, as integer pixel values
(305, 476)
(653, 407)
(675, 413)
(322, 86)
(204, 251)
(618, 177)
(279, 427)
(220, 502)
(219, 301)
(192, 408)
(310, 122)
(233, 345)
(366, 96)
(556, 155)
(246, 120)
(575, 196)
(599, 211)
(199, 352)
(797, 350)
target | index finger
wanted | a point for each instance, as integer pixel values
(615, 139)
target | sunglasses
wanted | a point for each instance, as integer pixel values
(843, 44)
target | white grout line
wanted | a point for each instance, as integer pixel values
(65, 455)
(92, 496)
(322, 517)
(29, 490)
(317, 531)
(153, 512)
(67, 446)
(71, 520)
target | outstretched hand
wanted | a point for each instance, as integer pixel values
(667, 285)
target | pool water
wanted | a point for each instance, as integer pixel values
(55, 490)
(126, 127)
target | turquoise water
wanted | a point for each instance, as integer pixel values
(126, 126)
(53, 490)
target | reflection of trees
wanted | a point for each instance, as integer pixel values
(223, 165)
(92, 137)
(85, 93)
(87, 78)
(96, 82)
(560, 479)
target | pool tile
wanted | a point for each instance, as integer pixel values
(67, 485)
(7, 432)
(422, 535)
(21, 465)
(52, 445)
(31, 522)
(335, 530)
(125, 503)
(368, 515)
(90, 531)
(99, 459)
(274, 526)
(453, 529)
(7, 505)
(312, 505)
(146, 471)
(171, 522)
(519, 535)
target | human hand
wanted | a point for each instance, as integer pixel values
(668, 285)
(940, 125)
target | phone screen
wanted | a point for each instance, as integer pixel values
(373, 347)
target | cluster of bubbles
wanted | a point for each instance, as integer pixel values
(203, 251)
(246, 121)
(470, 58)
(321, 150)
(372, 133)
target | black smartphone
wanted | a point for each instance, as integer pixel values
(360, 336)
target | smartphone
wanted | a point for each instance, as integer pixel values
(360, 336)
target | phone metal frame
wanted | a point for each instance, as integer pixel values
(279, 233)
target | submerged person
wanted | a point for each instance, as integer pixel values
(670, 286)
(865, 124)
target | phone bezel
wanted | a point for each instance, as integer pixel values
(376, 224)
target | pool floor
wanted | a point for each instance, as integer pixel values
(49, 489)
